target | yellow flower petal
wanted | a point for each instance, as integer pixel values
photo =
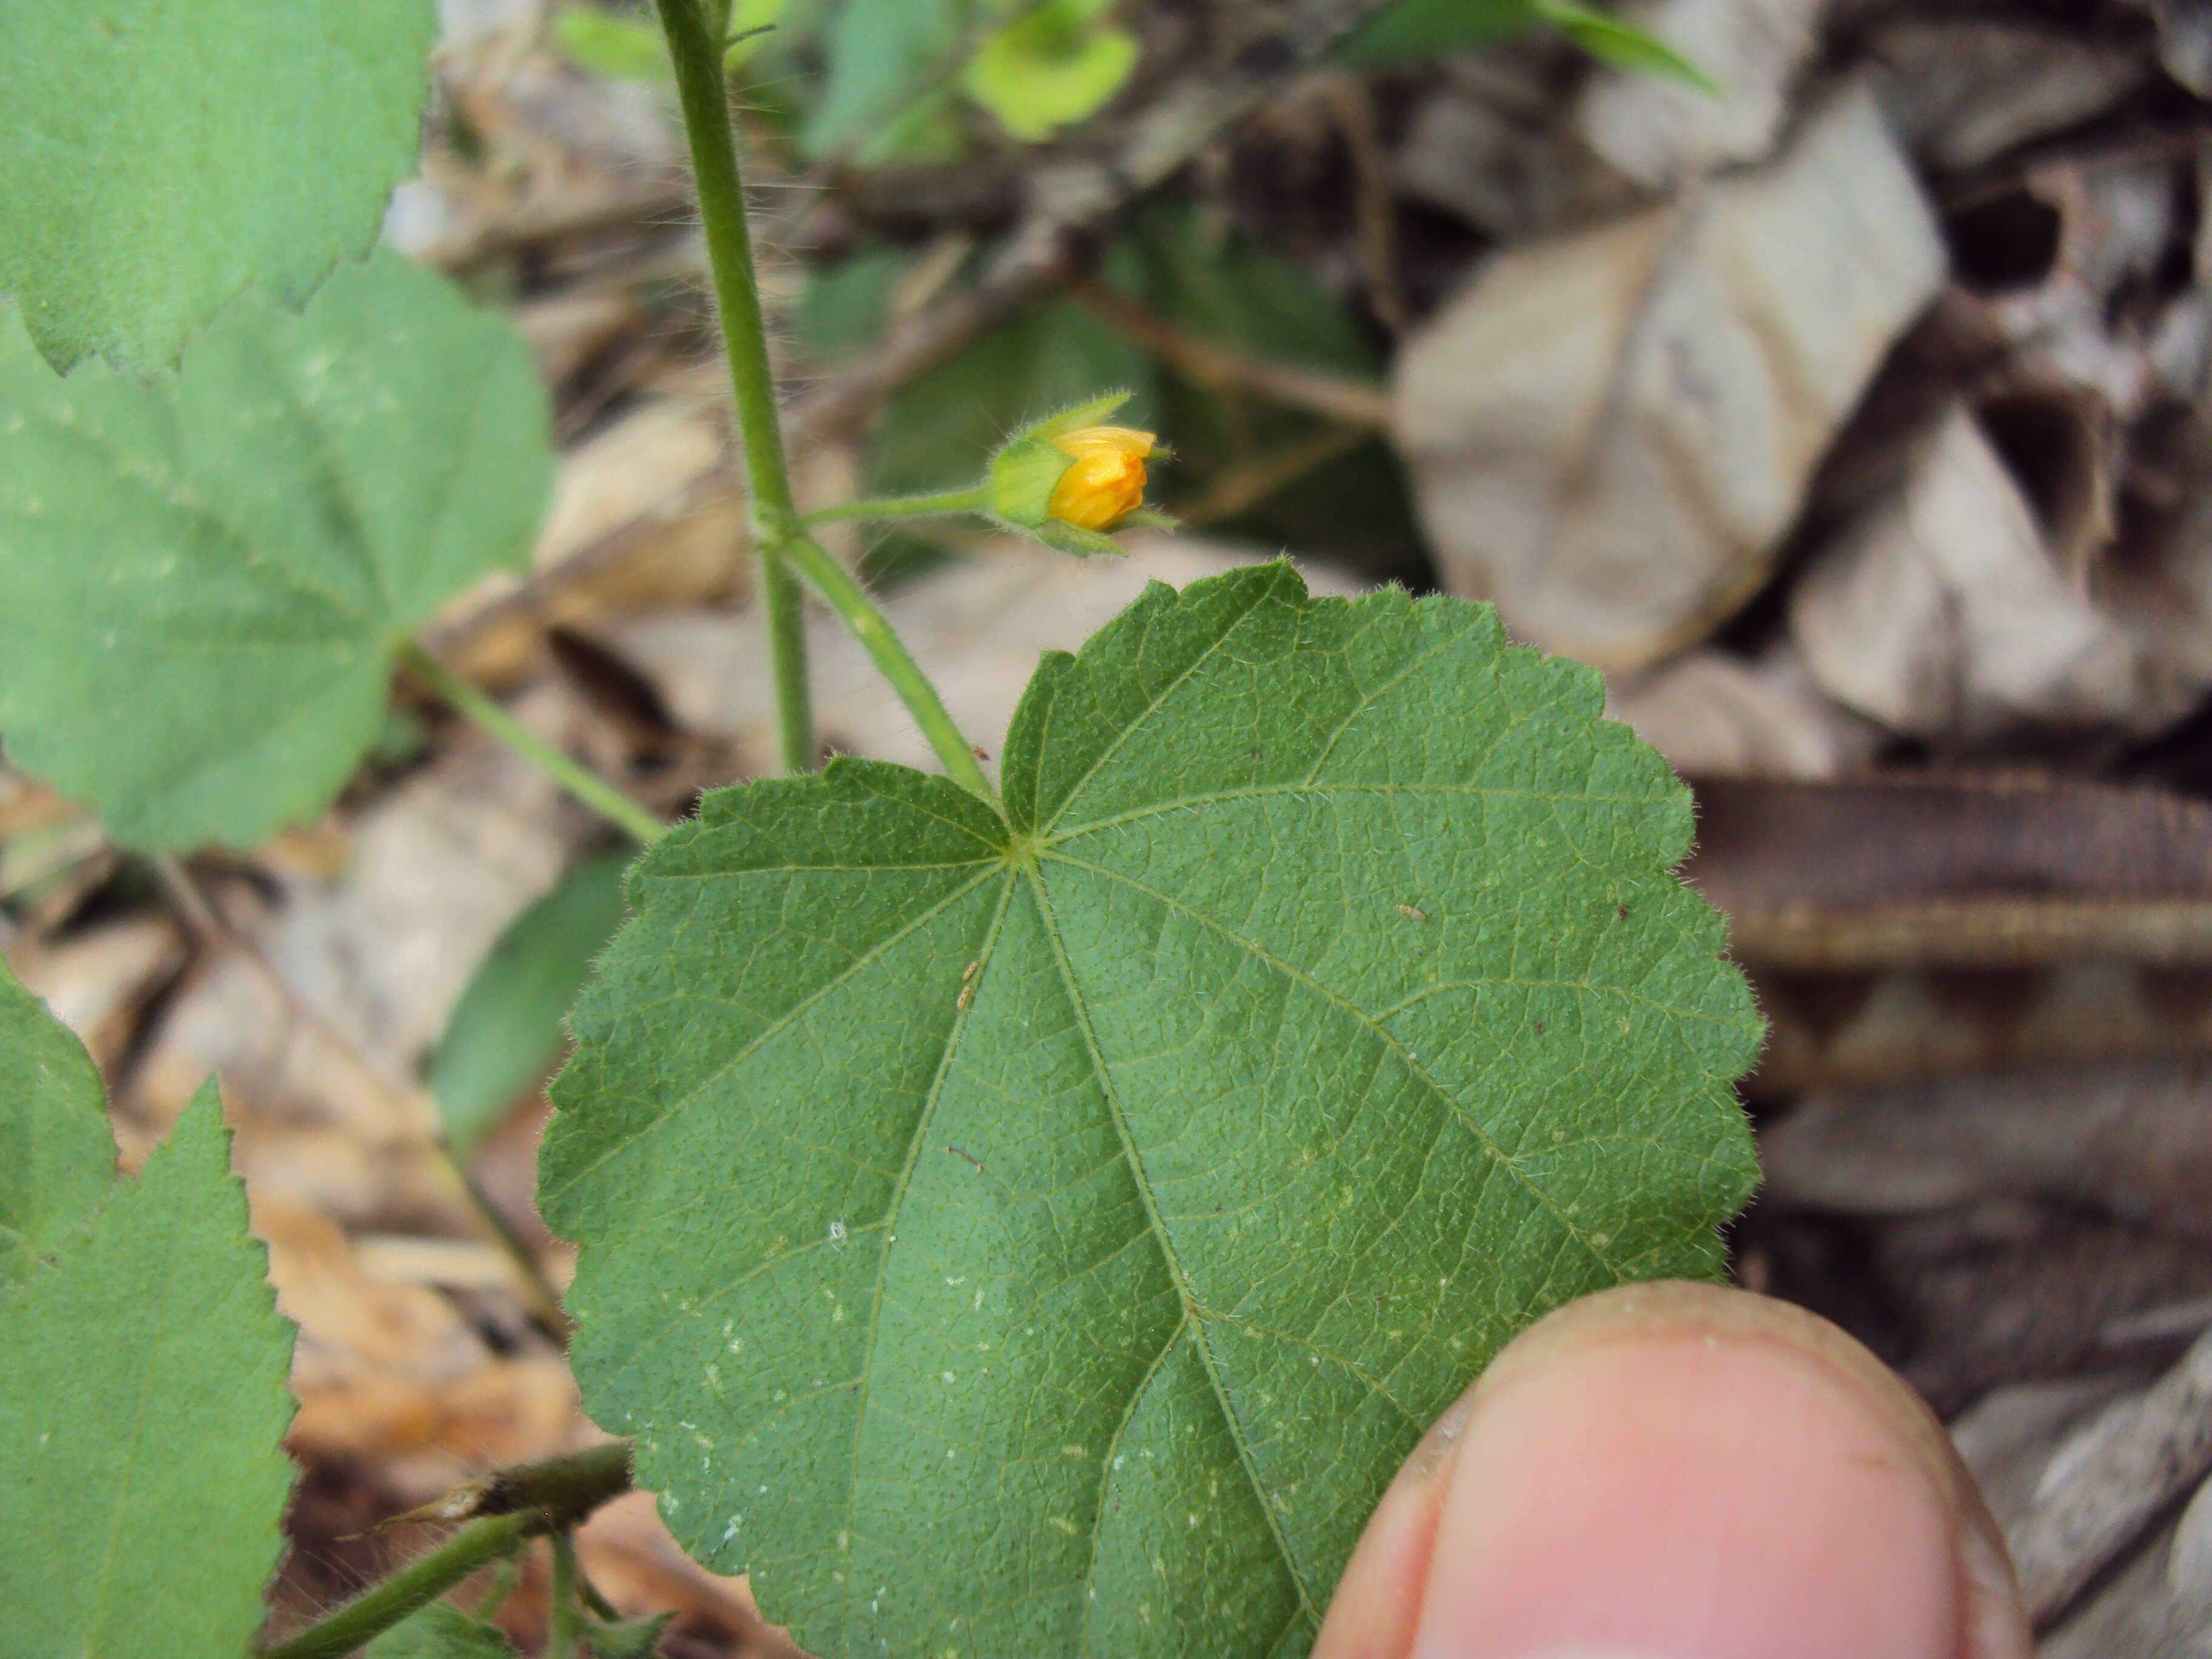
(1108, 478)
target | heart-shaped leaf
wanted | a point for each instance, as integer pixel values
(204, 580)
(1045, 1229)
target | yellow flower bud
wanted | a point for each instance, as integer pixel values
(1108, 479)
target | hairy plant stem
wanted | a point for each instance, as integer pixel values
(512, 1506)
(415, 1586)
(851, 601)
(976, 498)
(566, 1622)
(595, 792)
(695, 46)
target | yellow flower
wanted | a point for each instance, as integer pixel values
(1108, 478)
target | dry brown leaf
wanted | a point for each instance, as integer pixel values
(1491, 143)
(1942, 611)
(2072, 263)
(2110, 1481)
(1609, 432)
(2133, 1139)
(2158, 583)
(1713, 714)
(646, 513)
(2189, 1563)
(97, 982)
(1962, 91)
(1661, 133)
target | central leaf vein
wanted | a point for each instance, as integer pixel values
(961, 1009)
(1192, 1319)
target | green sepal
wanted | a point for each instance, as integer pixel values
(1146, 518)
(1060, 534)
(1093, 413)
(1029, 466)
(1023, 474)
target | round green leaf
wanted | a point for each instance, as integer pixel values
(1046, 1233)
(204, 580)
(157, 159)
(1052, 67)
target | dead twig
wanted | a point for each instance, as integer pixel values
(1239, 489)
(1218, 368)
(1991, 933)
(1374, 201)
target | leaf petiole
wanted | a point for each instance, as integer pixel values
(594, 792)
(873, 630)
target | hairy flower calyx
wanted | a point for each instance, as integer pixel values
(1066, 479)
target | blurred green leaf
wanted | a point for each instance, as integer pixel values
(505, 1034)
(57, 1155)
(943, 426)
(1621, 46)
(632, 1639)
(142, 1407)
(750, 21)
(157, 159)
(620, 47)
(624, 47)
(880, 104)
(847, 304)
(1218, 284)
(204, 580)
(1415, 31)
(440, 1631)
(1056, 65)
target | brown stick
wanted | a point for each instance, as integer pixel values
(1215, 368)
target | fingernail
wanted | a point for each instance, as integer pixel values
(1681, 1471)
